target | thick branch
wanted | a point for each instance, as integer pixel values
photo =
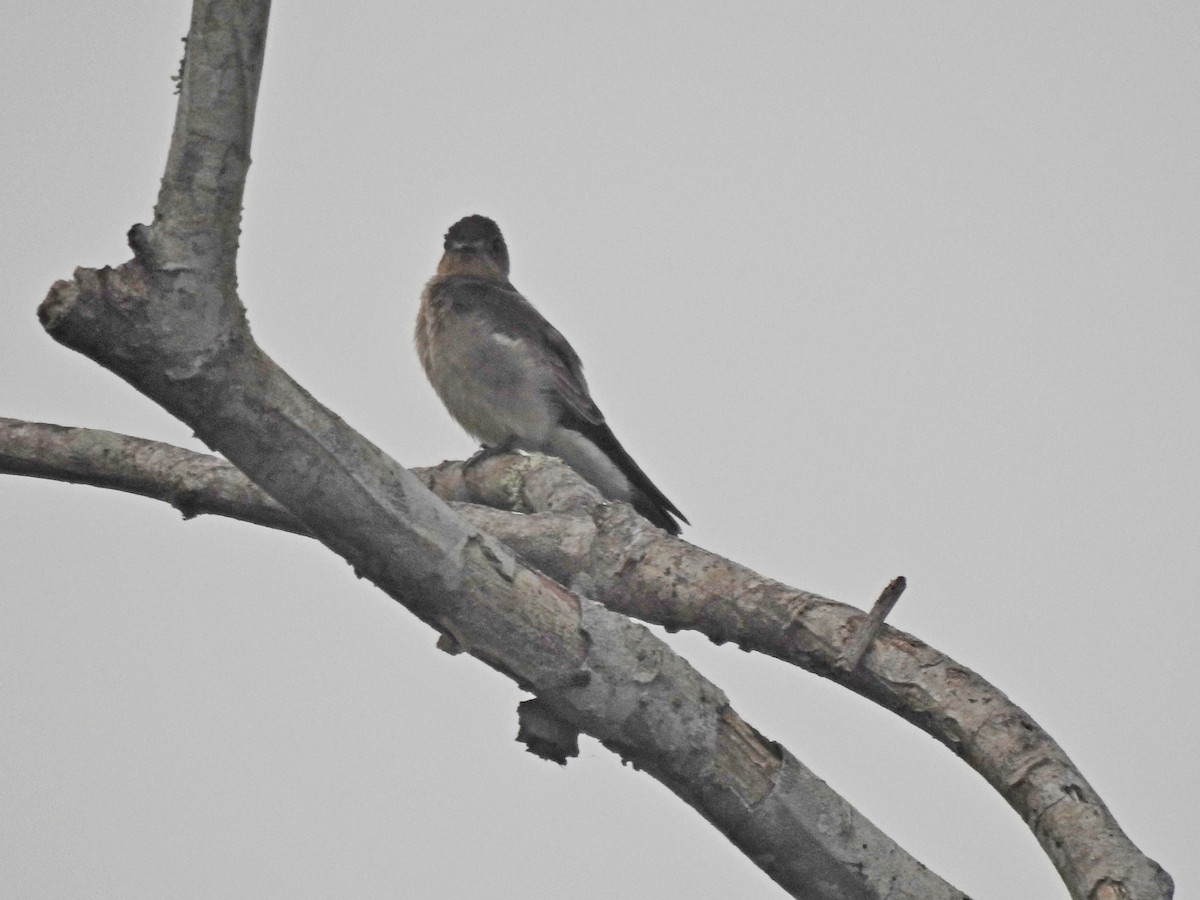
(722, 600)
(170, 323)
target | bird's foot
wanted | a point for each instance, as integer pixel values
(486, 452)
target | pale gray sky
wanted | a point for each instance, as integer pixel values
(867, 289)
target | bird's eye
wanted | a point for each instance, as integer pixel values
(498, 245)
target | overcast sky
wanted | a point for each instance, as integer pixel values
(868, 289)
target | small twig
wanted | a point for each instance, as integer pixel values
(856, 648)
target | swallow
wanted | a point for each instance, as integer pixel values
(511, 379)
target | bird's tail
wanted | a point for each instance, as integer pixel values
(647, 499)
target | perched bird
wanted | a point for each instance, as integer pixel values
(510, 378)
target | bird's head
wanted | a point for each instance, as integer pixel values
(474, 245)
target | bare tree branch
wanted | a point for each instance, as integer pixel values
(565, 536)
(170, 323)
(193, 483)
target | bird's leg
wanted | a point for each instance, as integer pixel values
(486, 452)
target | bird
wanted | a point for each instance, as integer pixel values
(510, 378)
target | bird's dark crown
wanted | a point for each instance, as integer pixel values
(474, 246)
(476, 231)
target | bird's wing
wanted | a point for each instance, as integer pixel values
(570, 387)
(580, 414)
(508, 313)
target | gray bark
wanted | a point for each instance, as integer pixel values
(170, 323)
(558, 522)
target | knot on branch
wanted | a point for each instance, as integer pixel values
(544, 734)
